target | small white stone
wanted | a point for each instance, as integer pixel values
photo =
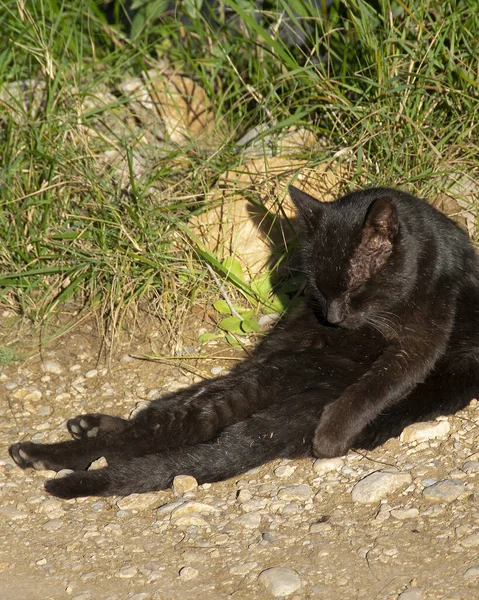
(127, 572)
(324, 465)
(12, 514)
(471, 466)
(92, 373)
(167, 509)
(188, 520)
(411, 594)
(421, 432)
(63, 473)
(216, 370)
(284, 471)
(187, 508)
(471, 541)
(378, 485)
(405, 513)
(100, 463)
(472, 573)
(300, 492)
(254, 504)
(188, 573)
(52, 366)
(249, 521)
(184, 483)
(280, 581)
(146, 501)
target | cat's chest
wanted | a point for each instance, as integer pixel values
(360, 345)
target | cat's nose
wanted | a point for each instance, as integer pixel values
(335, 312)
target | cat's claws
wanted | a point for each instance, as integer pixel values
(23, 455)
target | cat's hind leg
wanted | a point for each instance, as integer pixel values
(280, 431)
(75, 455)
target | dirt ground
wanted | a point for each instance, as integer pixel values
(405, 543)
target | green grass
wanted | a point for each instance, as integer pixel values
(395, 87)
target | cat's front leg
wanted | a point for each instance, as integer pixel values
(393, 375)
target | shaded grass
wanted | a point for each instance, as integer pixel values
(394, 88)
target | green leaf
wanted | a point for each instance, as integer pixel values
(249, 325)
(233, 266)
(262, 286)
(233, 341)
(222, 307)
(231, 324)
(208, 337)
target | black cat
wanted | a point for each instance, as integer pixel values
(390, 336)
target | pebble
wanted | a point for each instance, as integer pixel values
(167, 509)
(53, 524)
(268, 319)
(249, 520)
(100, 463)
(411, 594)
(27, 394)
(63, 473)
(184, 483)
(216, 370)
(471, 466)
(378, 485)
(471, 541)
(13, 514)
(254, 504)
(186, 508)
(405, 513)
(324, 465)
(446, 490)
(284, 471)
(472, 573)
(127, 572)
(188, 573)
(188, 520)
(147, 501)
(421, 432)
(280, 581)
(92, 373)
(301, 491)
(52, 366)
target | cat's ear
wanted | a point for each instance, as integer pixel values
(382, 218)
(308, 207)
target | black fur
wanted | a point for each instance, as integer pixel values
(389, 337)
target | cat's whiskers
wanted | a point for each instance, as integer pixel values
(385, 324)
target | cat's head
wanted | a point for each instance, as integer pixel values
(351, 255)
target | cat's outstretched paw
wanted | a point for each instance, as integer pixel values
(79, 484)
(327, 447)
(93, 425)
(331, 438)
(28, 455)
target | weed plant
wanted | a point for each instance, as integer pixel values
(390, 86)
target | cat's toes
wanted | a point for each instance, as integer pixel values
(79, 484)
(84, 426)
(327, 445)
(28, 455)
(92, 425)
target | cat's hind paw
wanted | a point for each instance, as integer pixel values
(28, 455)
(92, 425)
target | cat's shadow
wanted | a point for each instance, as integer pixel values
(281, 233)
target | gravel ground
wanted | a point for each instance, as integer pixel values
(399, 522)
